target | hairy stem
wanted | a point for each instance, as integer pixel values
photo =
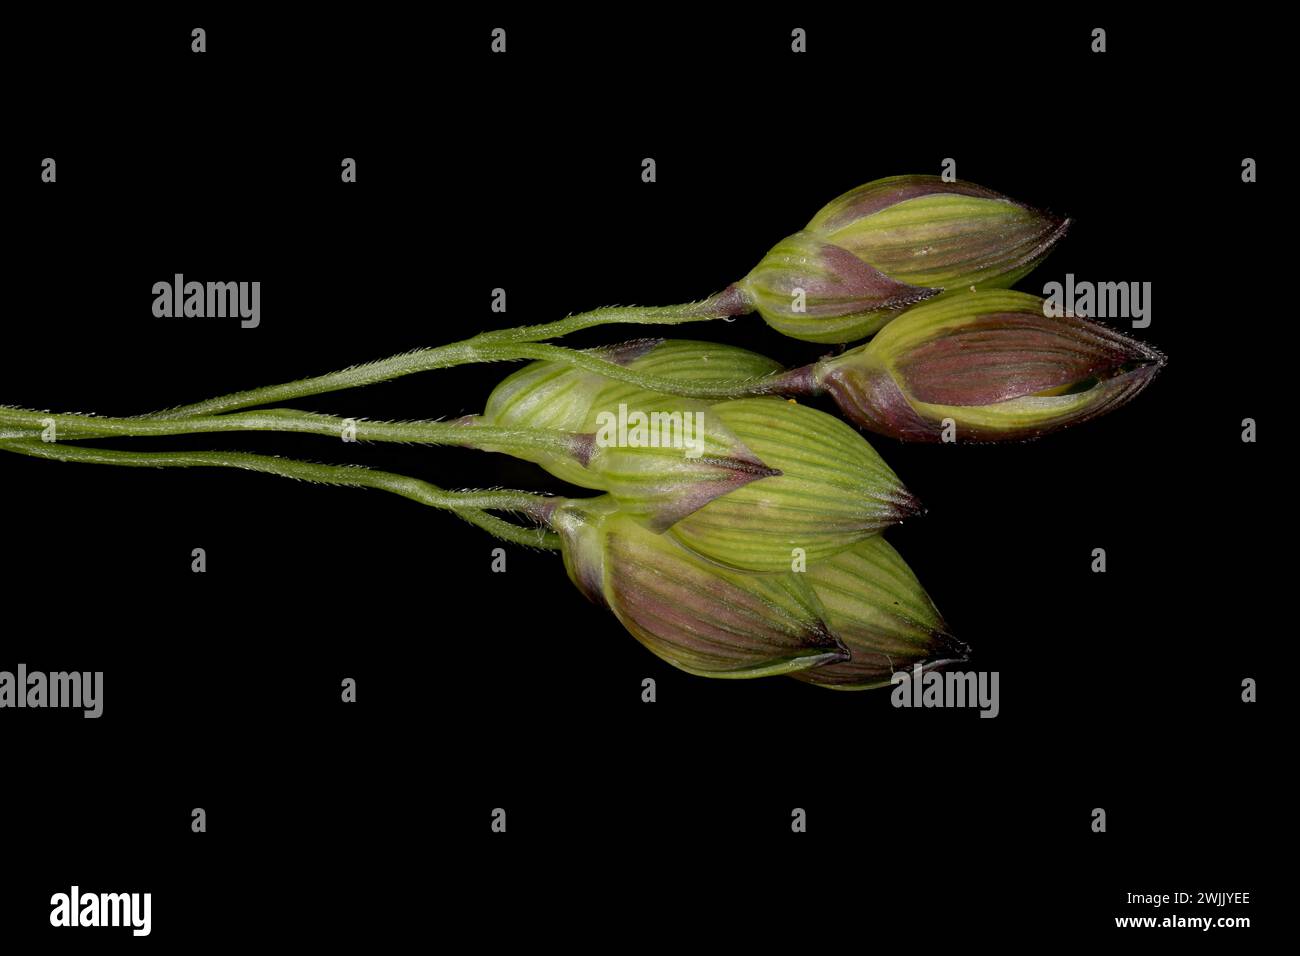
(730, 302)
(468, 504)
(480, 348)
(509, 440)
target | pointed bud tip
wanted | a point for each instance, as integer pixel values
(822, 636)
(907, 505)
(1149, 356)
(1141, 364)
(752, 468)
(1139, 374)
(1057, 227)
(582, 447)
(945, 648)
(625, 353)
(910, 296)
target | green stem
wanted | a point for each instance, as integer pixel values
(477, 349)
(730, 302)
(509, 440)
(408, 363)
(467, 504)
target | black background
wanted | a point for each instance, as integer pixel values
(626, 821)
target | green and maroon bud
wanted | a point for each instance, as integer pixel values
(985, 366)
(557, 396)
(811, 289)
(690, 362)
(830, 491)
(754, 484)
(873, 602)
(883, 247)
(661, 456)
(550, 395)
(704, 619)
